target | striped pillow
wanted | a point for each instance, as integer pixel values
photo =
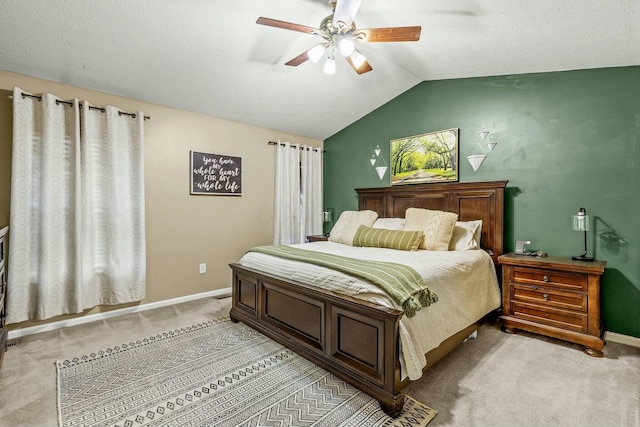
(383, 238)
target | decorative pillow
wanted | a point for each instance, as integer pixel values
(347, 225)
(477, 236)
(466, 235)
(437, 227)
(389, 223)
(383, 238)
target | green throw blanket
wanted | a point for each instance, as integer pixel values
(402, 283)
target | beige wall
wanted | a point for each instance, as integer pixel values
(182, 230)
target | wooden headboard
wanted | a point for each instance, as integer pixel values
(470, 200)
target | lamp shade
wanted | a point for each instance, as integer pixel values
(330, 65)
(315, 53)
(346, 46)
(581, 223)
(327, 215)
(357, 58)
(581, 220)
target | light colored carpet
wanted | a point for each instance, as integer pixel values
(525, 379)
(495, 380)
(213, 374)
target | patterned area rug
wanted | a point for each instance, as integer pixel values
(217, 373)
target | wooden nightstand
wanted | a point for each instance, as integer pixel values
(553, 296)
(318, 238)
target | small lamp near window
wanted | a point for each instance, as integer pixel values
(327, 218)
(327, 215)
(581, 223)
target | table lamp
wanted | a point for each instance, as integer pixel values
(581, 223)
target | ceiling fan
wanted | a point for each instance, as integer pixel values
(339, 32)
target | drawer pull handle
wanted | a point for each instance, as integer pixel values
(545, 278)
(546, 297)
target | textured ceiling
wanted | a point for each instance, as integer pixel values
(210, 56)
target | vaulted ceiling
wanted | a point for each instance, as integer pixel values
(209, 56)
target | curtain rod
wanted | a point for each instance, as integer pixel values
(91, 107)
(302, 148)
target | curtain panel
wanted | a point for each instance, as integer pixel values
(311, 192)
(298, 193)
(77, 236)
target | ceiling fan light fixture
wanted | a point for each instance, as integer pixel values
(346, 46)
(330, 65)
(315, 53)
(357, 58)
(340, 33)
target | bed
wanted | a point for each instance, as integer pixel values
(356, 339)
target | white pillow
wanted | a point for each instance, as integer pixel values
(346, 226)
(466, 235)
(437, 227)
(389, 223)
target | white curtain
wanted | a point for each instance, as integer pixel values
(77, 208)
(311, 192)
(298, 193)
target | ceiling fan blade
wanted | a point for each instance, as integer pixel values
(288, 25)
(364, 67)
(345, 12)
(388, 34)
(304, 56)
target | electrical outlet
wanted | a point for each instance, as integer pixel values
(203, 267)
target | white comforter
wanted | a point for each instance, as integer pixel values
(465, 282)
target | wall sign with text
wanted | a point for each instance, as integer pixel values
(216, 174)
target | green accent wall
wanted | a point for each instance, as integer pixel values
(565, 140)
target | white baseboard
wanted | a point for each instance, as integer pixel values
(622, 339)
(18, 333)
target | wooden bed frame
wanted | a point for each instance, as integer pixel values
(356, 340)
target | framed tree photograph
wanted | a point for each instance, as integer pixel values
(430, 157)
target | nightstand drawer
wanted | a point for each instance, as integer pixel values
(568, 320)
(561, 299)
(550, 278)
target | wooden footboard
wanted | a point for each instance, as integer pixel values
(353, 339)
